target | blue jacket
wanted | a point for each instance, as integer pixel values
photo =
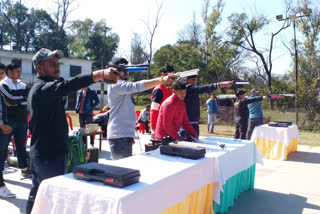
(212, 106)
(192, 99)
(255, 110)
(90, 101)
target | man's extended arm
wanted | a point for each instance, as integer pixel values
(198, 89)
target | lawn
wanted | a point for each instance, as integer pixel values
(306, 138)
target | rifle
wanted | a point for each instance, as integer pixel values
(188, 73)
(277, 96)
(131, 68)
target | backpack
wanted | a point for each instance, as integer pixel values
(77, 151)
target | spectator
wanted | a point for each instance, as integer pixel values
(16, 93)
(87, 99)
(144, 117)
(241, 113)
(122, 121)
(255, 113)
(4, 141)
(102, 120)
(173, 115)
(192, 98)
(48, 124)
(159, 94)
(213, 110)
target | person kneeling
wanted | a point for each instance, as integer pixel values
(173, 115)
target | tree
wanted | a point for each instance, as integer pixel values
(191, 33)
(151, 31)
(246, 30)
(94, 41)
(182, 56)
(15, 17)
(137, 55)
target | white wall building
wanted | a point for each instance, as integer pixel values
(69, 67)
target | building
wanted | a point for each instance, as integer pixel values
(69, 67)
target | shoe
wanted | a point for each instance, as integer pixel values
(6, 193)
(26, 172)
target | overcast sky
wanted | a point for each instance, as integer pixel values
(125, 17)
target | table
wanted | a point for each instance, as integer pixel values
(86, 134)
(276, 142)
(167, 184)
(165, 181)
(236, 166)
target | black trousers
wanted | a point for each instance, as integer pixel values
(41, 170)
(241, 130)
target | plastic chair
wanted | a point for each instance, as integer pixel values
(142, 127)
(137, 118)
(70, 122)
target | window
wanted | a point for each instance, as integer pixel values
(75, 70)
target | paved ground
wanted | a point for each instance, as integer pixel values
(281, 187)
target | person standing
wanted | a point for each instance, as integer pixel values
(255, 113)
(241, 113)
(122, 120)
(16, 93)
(48, 123)
(144, 117)
(5, 130)
(87, 99)
(213, 110)
(192, 98)
(159, 94)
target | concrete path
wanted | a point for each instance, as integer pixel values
(281, 187)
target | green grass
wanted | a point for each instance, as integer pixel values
(306, 138)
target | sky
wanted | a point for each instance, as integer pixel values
(126, 17)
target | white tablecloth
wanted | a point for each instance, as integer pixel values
(164, 181)
(277, 134)
(237, 156)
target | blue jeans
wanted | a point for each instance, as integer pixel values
(4, 141)
(211, 121)
(253, 122)
(121, 147)
(19, 133)
(43, 169)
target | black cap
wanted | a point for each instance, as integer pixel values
(240, 92)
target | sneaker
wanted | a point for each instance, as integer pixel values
(6, 193)
(26, 172)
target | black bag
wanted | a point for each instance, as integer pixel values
(183, 151)
(108, 174)
(280, 124)
(93, 154)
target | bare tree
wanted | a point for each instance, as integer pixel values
(64, 9)
(151, 30)
(192, 32)
(247, 29)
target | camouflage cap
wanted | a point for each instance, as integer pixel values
(45, 54)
